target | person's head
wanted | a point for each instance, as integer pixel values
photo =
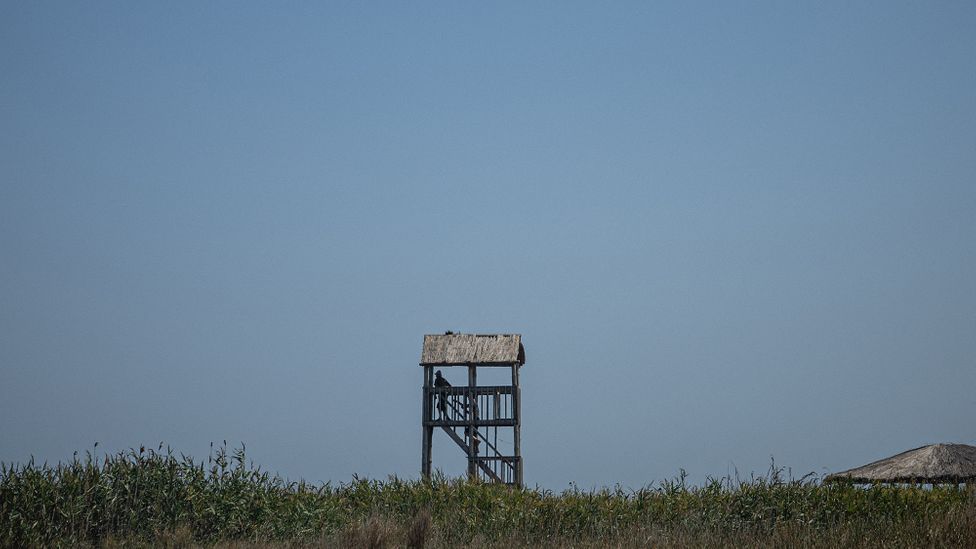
(437, 373)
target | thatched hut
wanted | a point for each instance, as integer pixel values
(932, 464)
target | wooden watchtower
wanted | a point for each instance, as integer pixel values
(472, 415)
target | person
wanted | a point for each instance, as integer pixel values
(439, 381)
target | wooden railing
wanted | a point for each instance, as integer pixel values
(488, 406)
(497, 468)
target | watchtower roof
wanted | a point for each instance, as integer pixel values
(481, 349)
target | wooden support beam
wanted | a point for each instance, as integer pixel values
(456, 438)
(428, 430)
(517, 429)
(462, 390)
(479, 423)
(471, 413)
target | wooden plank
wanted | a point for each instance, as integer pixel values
(461, 390)
(508, 422)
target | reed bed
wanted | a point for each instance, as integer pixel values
(151, 497)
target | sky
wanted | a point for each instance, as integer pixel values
(727, 232)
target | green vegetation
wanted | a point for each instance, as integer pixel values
(149, 497)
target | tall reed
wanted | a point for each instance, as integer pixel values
(145, 495)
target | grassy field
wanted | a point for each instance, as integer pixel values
(151, 497)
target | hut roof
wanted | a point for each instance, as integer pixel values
(936, 463)
(482, 349)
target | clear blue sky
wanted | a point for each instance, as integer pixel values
(725, 230)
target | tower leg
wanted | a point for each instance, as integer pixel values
(517, 430)
(471, 412)
(425, 458)
(426, 416)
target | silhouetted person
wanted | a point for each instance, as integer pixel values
(439, 381)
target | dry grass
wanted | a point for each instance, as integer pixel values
(152, 499)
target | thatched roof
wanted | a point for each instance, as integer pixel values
(935, 464)
(481, 349)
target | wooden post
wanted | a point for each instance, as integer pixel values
(517, 429)
(426, 416)
(471, 411)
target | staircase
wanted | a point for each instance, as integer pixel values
(471, 417)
